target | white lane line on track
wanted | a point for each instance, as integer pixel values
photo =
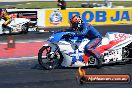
(26, 42)
(19, 58)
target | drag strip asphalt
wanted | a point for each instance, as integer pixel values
(28, 74)
(43, 36)
(31, 36)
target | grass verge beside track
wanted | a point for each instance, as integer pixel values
(51, 4)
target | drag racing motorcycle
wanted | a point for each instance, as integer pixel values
(17, 25)
(63, 49)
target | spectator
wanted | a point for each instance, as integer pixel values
(62, 4)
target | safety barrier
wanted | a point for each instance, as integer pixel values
(96, 16)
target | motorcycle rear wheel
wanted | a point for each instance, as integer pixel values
(25, 28)
(49, 60)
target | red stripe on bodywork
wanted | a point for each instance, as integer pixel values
(103, 48)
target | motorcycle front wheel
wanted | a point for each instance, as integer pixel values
(48, 59)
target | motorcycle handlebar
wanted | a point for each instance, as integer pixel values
(51, 31)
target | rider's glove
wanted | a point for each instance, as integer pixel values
(77, 34)
(70, 35)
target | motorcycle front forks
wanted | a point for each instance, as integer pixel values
(54, 52)
(6, 28)
(74, 45)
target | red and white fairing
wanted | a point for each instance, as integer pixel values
(112, 45)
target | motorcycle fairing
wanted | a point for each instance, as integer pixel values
(56, 37)
(73, 58)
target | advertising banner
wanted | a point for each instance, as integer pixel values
(97, 16)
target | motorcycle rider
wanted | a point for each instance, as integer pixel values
(87, 30)
(4, 15)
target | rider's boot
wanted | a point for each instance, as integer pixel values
(86, 58)
(101, 58)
